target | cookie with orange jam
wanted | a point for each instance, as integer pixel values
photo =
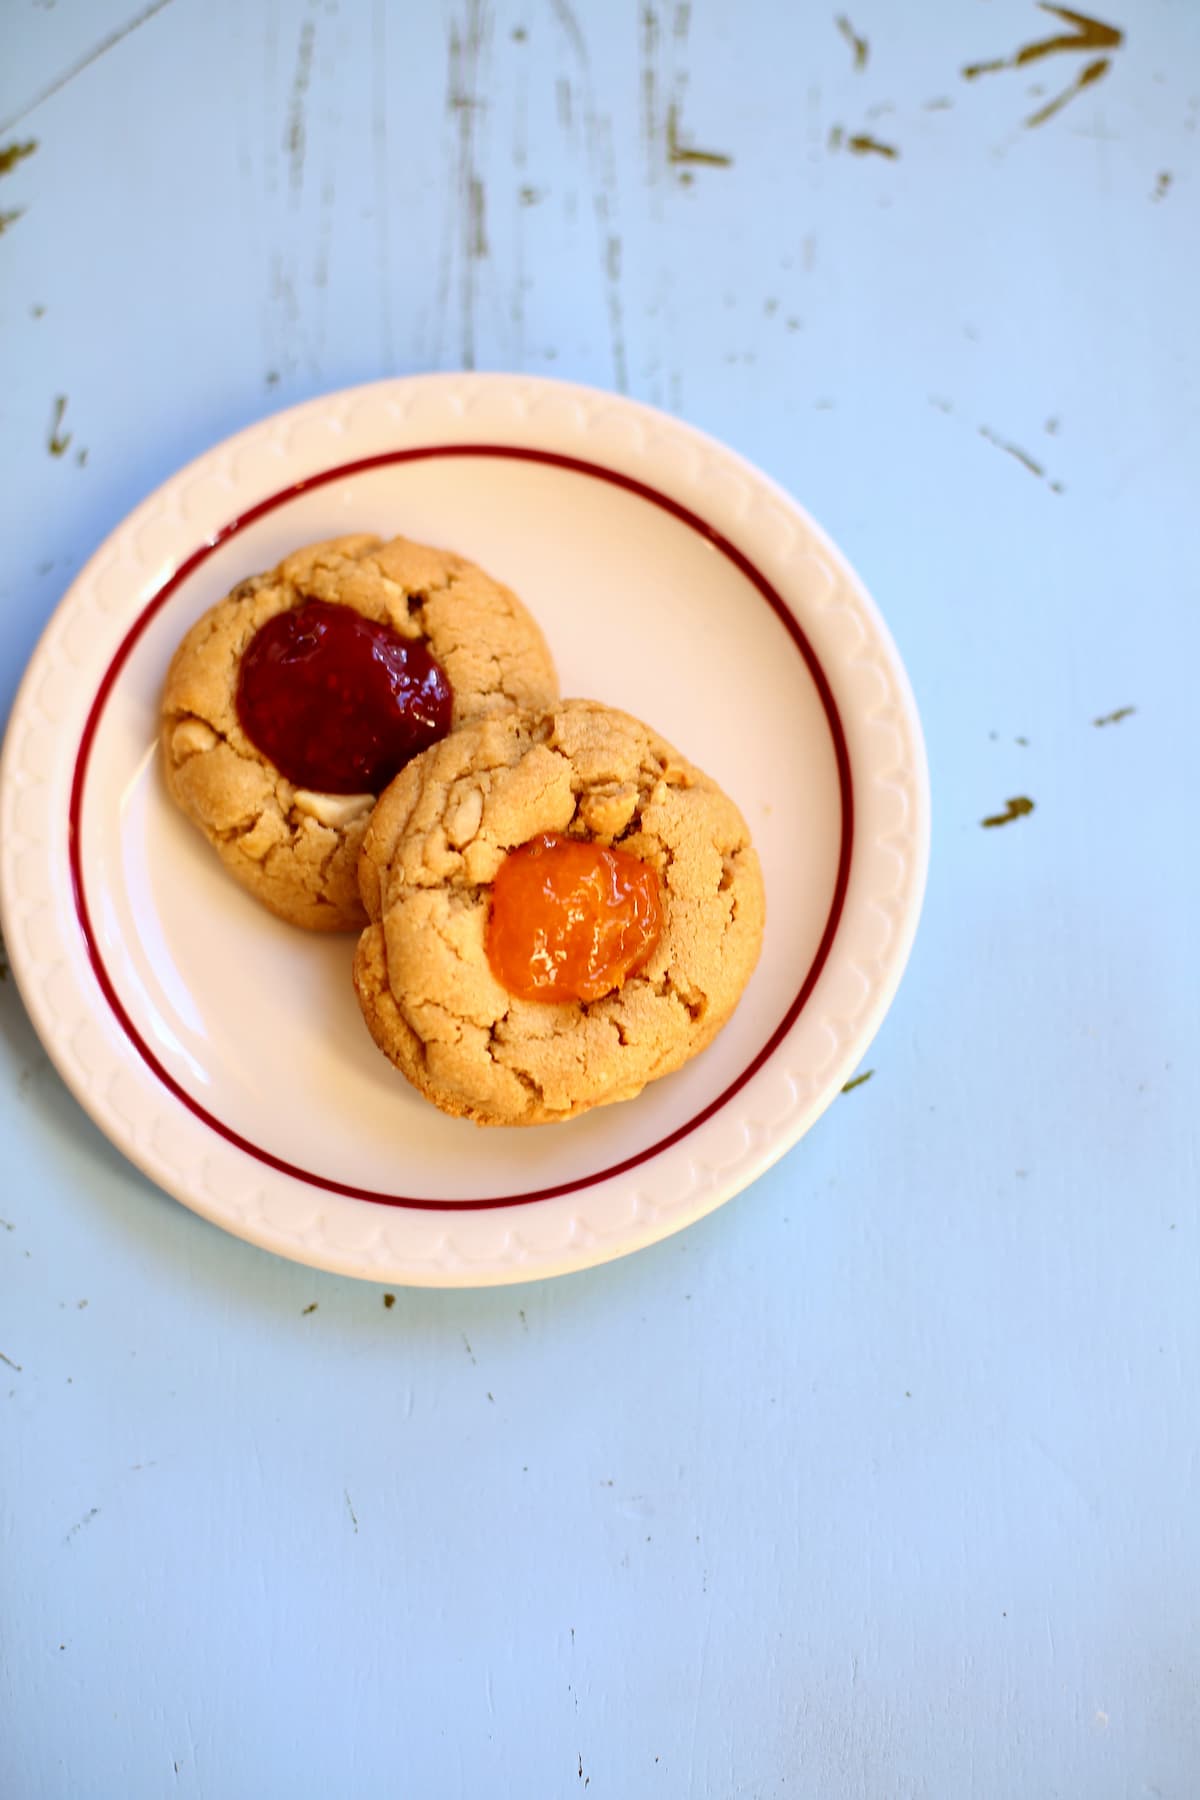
(291, 705)
(562, 909)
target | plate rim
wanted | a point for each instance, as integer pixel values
(577, 1251)
(336, 472)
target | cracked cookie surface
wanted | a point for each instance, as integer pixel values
(296, 850)
(430, 854)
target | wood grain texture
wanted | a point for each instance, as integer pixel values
(879, 1481)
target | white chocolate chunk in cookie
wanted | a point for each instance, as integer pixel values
(190, 737)
(336, 810)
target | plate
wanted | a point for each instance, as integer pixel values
(223, 1053)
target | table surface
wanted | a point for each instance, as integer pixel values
(882, 1480)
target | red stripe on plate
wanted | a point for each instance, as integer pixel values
(511, 453)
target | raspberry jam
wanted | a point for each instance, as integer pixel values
(571, 920)
(338, 703)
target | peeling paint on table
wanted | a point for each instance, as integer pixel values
(876, 1480)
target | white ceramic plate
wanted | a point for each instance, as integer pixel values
(223, 1052)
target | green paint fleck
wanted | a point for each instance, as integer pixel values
(10, 218)
(310, 1308)
(1014, 809)
(12, 154)
(529, 196)
(59, 441)
(1114, 718)
(858, 1081)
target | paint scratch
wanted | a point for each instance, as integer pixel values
(86, 1520)
(12, 154)
(527, 196)
(85, 62)
(679, 152)
(649, 87)
(858, 45)
(477, 225)
(10, 1363)
(351, 1511)
(297, 129)
(465, 105)
(1016, 808)
(570, 25)
(1022, 456)
(603, 170)
(58, 441)
(861, 143)
(858, 1080)
(1114, 718)
(1085, 34)
(383, 206)
(1088, 34)
(1085, 79)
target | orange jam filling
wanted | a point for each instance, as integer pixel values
(571, 920)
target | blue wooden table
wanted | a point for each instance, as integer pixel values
(882, 1480)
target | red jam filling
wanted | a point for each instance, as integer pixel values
(338, 703)
(571, 920)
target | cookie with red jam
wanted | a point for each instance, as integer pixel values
(294, 702)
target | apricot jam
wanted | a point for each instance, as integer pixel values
(571, 920)
(338, 703)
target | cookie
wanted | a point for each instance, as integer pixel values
(290, 842)
(430, 858)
